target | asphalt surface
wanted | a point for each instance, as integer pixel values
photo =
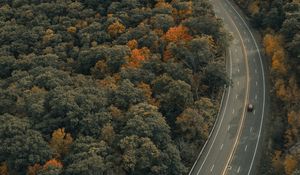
(235, 143)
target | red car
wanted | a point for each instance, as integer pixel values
(250, 107)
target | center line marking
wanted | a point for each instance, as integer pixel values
(221, 146)
(246, 147)
(238, 170)
(212, 167)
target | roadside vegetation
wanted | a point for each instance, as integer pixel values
(279, 22)
(106, 86)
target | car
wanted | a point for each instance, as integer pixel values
(250, 107)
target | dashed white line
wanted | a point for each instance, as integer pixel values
(256, 97)
(251, 129)
(254, 112)
(236, 96)
(246, 147)
(238, 170)
(228, 127)
(221, 146)
(256, 83)
(238, 83)
(256, 71)
(233, 111)
(238, 70)
(212, 168)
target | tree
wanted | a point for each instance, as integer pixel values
(144, 120)
(175, 100)
(126, 94)
(6, 66)
(178, 33)
(60, 142)
(86, 157)
(290, 164)
(20, 145)
(115, 28)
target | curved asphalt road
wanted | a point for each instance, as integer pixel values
(233, 147)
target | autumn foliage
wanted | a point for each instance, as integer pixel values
(115, 29)
(176, 34)
(137, 56)
(60, 142)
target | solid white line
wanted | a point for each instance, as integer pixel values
(221, 146)
(246, 147)
(214, 139)
(212, 167)
(238, 170)
(264, 86)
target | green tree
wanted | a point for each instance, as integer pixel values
(20, 145)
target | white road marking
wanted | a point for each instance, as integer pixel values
(264, 89)
(238, 170)
(246, 147)
(228, 127)
(238, 70)
(217, 132)
(233, 111)
(212, 167)
(256, 71)
(256, 97)
(251, 129)
(254, 112)
(238, 83)
(236, 96)
(221, 146)
(256, 83)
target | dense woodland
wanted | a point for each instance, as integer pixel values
(279, 21)
(107, 86)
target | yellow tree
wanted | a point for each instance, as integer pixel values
(277, 161)
(115, 29)
(33, 170)
(290, 164)
(60, 142)
(3, 169)
(108, 133)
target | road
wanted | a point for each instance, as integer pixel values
(235, 143)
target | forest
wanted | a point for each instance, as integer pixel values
(279, 23)
(108, 86)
